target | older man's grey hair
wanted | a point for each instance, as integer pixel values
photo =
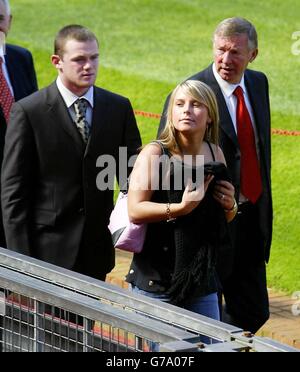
(237, 26)
(7, 6)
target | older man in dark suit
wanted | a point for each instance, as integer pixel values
(17, 79)
(243, 99)
(56, 146)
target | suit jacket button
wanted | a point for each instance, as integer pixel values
(150, 283)
(81, 210)
(165, 249)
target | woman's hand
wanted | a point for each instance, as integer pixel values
(224, 194)
(192, 197)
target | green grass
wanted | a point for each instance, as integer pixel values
(147, 46)
(284, 272)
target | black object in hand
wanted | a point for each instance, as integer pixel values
(218, 169)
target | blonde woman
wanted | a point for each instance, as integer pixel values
(188, 224)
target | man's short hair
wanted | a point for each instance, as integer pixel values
(7, 6)
(237, 26)
(72, 32)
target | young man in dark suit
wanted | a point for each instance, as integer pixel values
(248, 155)
(52, 207)
(17, 70)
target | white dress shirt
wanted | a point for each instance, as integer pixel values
(70, 99)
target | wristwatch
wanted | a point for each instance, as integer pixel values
(233, 209)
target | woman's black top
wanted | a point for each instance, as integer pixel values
(179, 258)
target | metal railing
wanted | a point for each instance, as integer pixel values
(47, 308)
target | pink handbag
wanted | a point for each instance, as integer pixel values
(126, 235)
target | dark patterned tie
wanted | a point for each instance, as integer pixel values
(80, 107)
(251, 183)
(6, 98)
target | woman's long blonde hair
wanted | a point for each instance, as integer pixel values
(202, 93)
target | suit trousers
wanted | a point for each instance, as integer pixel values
(82, 266)
(87, 258)
(245, 290)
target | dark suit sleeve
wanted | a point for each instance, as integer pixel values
(132, 138)
(17, 180)
(32, 75)
(268, 113)
(268, 240)
(163, 118)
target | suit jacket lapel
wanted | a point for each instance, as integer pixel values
(13, 71)
(60, 114)
(99, 118)
(225, 119)
(256, 105)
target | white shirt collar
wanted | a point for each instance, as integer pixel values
(70, 97)
(226, 87)
(2, 53)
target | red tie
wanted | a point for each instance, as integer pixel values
(251, 184)
(6, 98)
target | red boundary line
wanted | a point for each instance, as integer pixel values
(283, 132)
(280, 132)
(147, 114)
